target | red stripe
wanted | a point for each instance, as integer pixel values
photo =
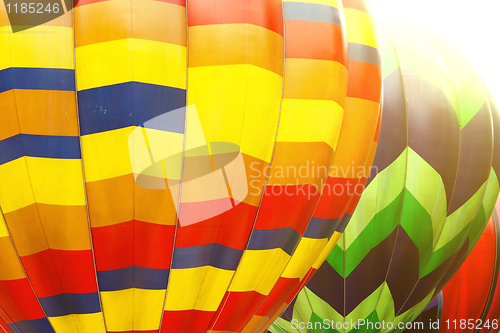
(335, 198)
(76, 271)
(287, 206)
(365, 81)
(19, 301)
(238, 309)
(220, 229)
(278, 295)
(264, 13)
(153, 245)
(3, 324)
(186, 321)
(154, 331)
(42, 273)
(113, 246)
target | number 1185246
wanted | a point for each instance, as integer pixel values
(33, 8)
(471, 324)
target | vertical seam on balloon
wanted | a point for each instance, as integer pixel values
(83, 174)
(177, 218)
(454, 184)
(223, 215)
(6, 315)
(496, 268)
(35, 203)
(399, 69)
(26, 276)
(494, 279)
(236, 273)
(312, 310)
(133, 184)
(310, 272)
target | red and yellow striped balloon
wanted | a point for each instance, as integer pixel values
(251, 102)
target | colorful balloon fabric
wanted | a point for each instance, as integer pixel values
(351, 167)
(422, 213)
(430, 319)
(170, 166)
(470, 299)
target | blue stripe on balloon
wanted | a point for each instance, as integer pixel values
(130, 104)
(66, 304)
(215, 255)
(266, 239)
(133, 277)
(46, 146)
(37, 79)
(36, 326)
(321, 228)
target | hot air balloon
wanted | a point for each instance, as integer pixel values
(470, 299)
(163, 163)
(425, 209)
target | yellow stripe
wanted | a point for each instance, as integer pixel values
(305, 120)
(128, 60)
(306, 254)
(41, 46)
(133, 309)
(161, 145)
(250, 274)
(200, 288)
(315, 79)
(15, 189)
(362, 32)
(4, 232)
(81, 323)
(241, 108)
(328, 248)
(106, 154)
(57, 181)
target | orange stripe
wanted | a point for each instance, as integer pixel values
(65, 20)
(9, 125)
(40, 112)
(229, 44)
(315, 40)
(11, 266)
(297, 168)
(63, 227)
(315, 79)
(151, 20)
(82, 3)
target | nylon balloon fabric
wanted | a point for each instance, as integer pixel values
(425, 209)
(170, 166)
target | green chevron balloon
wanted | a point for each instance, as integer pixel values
(438, 162)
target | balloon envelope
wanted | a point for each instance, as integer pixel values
(162, 162)
(427, 206)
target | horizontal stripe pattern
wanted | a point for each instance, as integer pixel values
(131, 65)
(46, 146)
(37, 79)
(355, 149)
(286, 207)
(43, 194)
(301, 11)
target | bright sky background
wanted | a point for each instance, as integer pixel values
(473, 27)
